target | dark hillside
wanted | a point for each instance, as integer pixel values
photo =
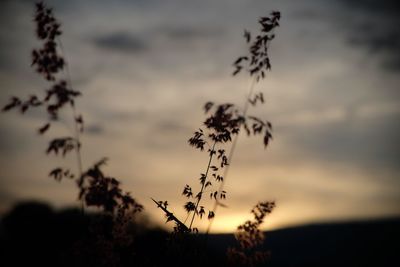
(33, 233)
(364, 243)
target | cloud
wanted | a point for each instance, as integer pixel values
(190, 33)
(94, 129)
(374, 26)
(385, 43)
(169, 126)
(355, 140)
(123, 42)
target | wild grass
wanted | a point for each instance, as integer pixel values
(95, 188)
(217, 138)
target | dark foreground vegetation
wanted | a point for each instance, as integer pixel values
(34, 234)
(111, 237)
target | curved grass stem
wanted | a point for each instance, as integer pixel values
(74, 119)
(203, 185)
(231, 153)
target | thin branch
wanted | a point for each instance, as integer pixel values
(170, 215)
(74, 114)
(232, 151)
(203, 185)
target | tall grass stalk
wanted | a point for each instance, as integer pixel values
(246, 106)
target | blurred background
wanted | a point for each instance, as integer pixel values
(146, 68)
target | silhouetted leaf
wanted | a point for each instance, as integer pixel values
(189, 206)
(14, 102)
(208, 106)
(267, 27)
(215, 194)
(211, 215)
(267, 137)
(202, 178)
(197, 140)
(247, 36)
(201, 212)
(199, 195)
(63, 145)
(44, 128)
(223, 194)
(221, 152)
(187, 191)
(79, 121)
(237, 70)
(57, 174)
(214, 168)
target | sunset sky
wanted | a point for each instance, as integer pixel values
(147, 67)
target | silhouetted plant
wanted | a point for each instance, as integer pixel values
(222, 127)
(95, 189)
(219, 133)
(256, 62)
(102, 191)
(250, 238)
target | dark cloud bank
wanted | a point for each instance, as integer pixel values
(374, 25)
(121, 42)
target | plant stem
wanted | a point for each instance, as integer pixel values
(76, 128)
(231, 153)
(203, 185)
(78, 151)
